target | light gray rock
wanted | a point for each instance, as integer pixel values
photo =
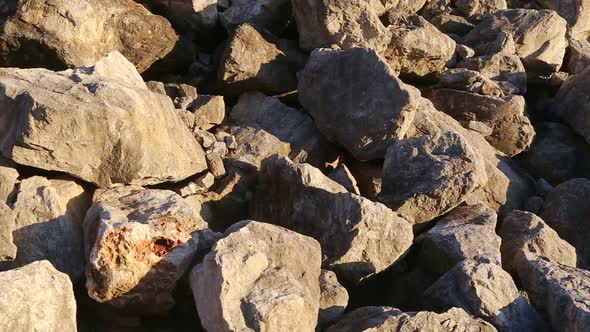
(192, 16)
(576, 12)
(427, 176)
(505, 69)
(37, 297)
(469, 81)
(256, 277)
(272, 15)
(139, 242)
(578, 56)
(333, 300)
(480, 7)
(209, 111)
(572, 106)
(100, 124)
(370, 236)
(7, 223)
(8, 178)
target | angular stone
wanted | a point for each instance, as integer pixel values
(7, 223)
(48, 224)
(37, 297)
(357, 101)
(189, 17)
(8, 178)
(256, 277)
(427, 176)
(72, 33)
(469, 81)
(209, 111)
(572, 105)
(333, 300)
(272, 15)
(100, 124)
(525, 232)
(578, 56)
(480, 7)
(452, 24)
(501, 68)
(576, 12)
(342, 175)
(139, 243)
(370, 236)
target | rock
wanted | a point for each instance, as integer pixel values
(139, 243)
(272, 15)
(576, 13)
(480, 7)
(485, 291)
(571, 104)
(299, 197)
(452, 24)
(37, 297)
(342, 175)
(417, 48)
(256, 277)
(256, 61)
(369, 177)
(539, 36)
(216, 167)
(8, 178)
(218, 148)
(533, 204)
(512, 131)
(465, 233)
(383, 319)
(560, 292)
(578, 57)
(427, 176)
(209, 111)
(100, 124)
(333, 300)
(564, 210)
(469, 81)
(199, 186)
(525, 232)
(464, 52)
(7, 223)
(377, 109)
(48, 224)
(189, 17)
(504, 69)
(348, 24)
(73, 33)
(205, 138)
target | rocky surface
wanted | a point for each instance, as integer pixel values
(333, 299)
(7, 223)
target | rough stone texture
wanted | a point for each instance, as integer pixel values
(333, 300)
(256, 277)
(209, 111)
(370, 236)
(539, 36)
(512, 131)
(480, 7)
(560, 292)
(417, 48)
(572, 104)
(188, 16)
(322, 23)
(342, 175)
(578, 56)
(525, 232)
(37, 297)
(565, 210)
(48, 224)
(57, 34)
(7, 223)
(465, 233)
(469, 81)
(272, 15)
(256, 61)
(385, 319)
(139, 242)
(452, 24)
(8, 178)
(505, 69)
(100, 124)
(486, 291)
(427, 176)
(576, 12)
(357, 101)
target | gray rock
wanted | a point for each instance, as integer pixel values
(505, 69)
(189, 17)
(100, 124)
(342, 175)
(469, 81)
(576, 12)
(370, 236)
(256, 277)
(7, 223)
(272, 15)
(572, 106)
(578, 56)
(37, 297)
(333, 300)
(8, 178)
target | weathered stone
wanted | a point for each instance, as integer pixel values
(369, 176)
(427, 176)
(190, 16)
(48, 224)
(565, 210)
(417, 48)
(8, 178)
(452, 24)
(525, 232)
(357, 101)
(272, 15)
(100, 124)
(139, 243)
(384, 319)
(464, 52)
(72, 33)
(480, 7)
(370, 236)
(501, 68)
(572, 104)
(576, 12)
(578, 56)
(540, 36)
(209, 111)
(256, 277)
(255, 61)
(348, 24)
(465, 233)
(199, 186)
(333, 300)
(486, 291)
(7, 223)
(470, 81)
(342, 175)
(512, 131)
(205, 138)
(37, 297)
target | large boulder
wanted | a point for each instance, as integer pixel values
(48, 224)
(256, 277)
(539, 36)
(370, 236)
(100, 124)
(139, 242)
(58, 34)
(333, 300)
(357, 101)
(427, 176)
(384, 319)
(576, 13)
(572, 104)
(505, 69)
(7, 223)
(37, 297)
